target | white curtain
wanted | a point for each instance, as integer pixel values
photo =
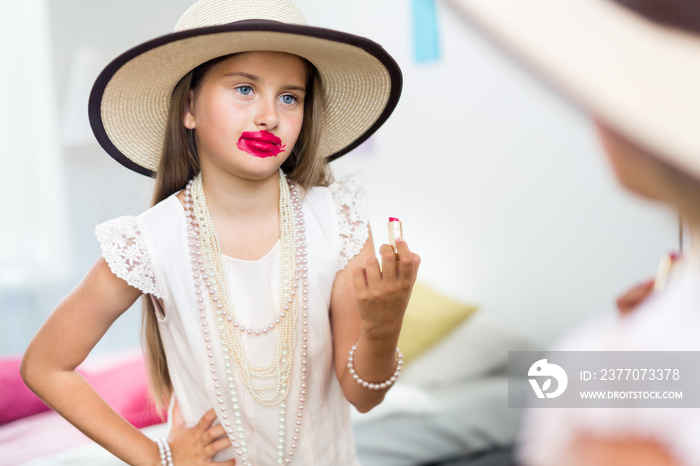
(34, 246)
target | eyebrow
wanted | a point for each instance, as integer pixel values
(252, 77)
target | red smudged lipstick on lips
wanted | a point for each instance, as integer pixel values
(260, 144)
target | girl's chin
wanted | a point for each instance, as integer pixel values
(258, 169)
(245, 165)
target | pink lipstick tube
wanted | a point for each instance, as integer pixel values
(395, 231)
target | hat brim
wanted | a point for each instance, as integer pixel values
(640, 78)
(129, 102)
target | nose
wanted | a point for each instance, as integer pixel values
(266, 113)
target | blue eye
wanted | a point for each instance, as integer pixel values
(288, 99)
(245, 90)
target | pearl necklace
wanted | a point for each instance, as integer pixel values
(208, 271)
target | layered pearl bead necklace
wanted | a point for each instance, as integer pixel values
(210, 280)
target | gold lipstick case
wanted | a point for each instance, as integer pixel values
(395, 231)
(663, 272)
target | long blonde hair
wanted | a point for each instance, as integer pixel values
(179, 163)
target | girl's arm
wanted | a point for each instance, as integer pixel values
(64, 341)
(367, 308)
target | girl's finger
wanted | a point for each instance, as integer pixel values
(215, 432)
(207, 420)
(215, 447)
(374, 274)
(405, 264)
(389, 264)
(633, 297)
(178, 420)
(359, 280)
(416, 265)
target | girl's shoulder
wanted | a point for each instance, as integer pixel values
(129, 226)
(344, 198)
(124, 245)
(348, 187)
(345, 201)
(345, 192)
(168, 207)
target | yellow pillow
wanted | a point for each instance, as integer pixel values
(429, 317)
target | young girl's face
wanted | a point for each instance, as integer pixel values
(247, 113)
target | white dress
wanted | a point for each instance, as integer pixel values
(666, 321)
(150, 253)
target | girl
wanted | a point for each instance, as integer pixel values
(634, 65)
(266, 311)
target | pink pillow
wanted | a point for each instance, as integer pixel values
(16, 399)
(123, 386)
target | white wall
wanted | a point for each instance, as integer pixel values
(34, 230)
(501, 186)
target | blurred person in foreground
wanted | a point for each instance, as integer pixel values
(634, 66)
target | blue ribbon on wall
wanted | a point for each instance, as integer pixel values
(426, 41)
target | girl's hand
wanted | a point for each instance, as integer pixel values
(634, 297)
(382, 293)
(197, 445)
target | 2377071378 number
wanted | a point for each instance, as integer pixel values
(639, 374)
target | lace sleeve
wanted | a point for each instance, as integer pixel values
(125, 251)
(351, 205)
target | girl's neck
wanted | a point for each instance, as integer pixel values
(238, 198)
(245, 213)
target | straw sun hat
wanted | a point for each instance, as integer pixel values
(634, 64)
(129, 102)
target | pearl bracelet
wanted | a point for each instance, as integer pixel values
(166, 456)
(370, 385)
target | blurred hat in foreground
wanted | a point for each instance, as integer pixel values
(634, 64)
